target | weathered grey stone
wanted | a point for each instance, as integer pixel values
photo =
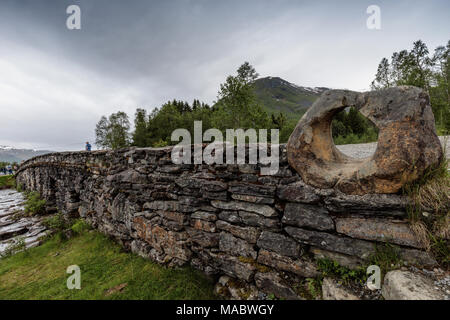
(235, 246)
(178, 217)
(221, 195)
(407, 141)
(331, 290)
(255, 220)
(248, 178)
(203, 225)
(254, 199)
(204, 215)
(302, 215)
(252, 189)
(214, 186)
(171, 243)
(385, 230)
(185, 182)
(162, 205)
(230, 216)
(271, 283)
(261, 209)
(129, 175)
(343, 259)
(405, 285)
(161, 178)
(301, 266)
(417, 257)
(169, 169)
(204, 239)
(248, 168)
(235, 289)
(232, 266)
(72, 206)
(277, 242)
(370, 204)
(297, 192)
(353, 247)
(268, 180)
(249, 234)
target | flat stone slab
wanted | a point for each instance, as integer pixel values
(15, 225)
(392, 231)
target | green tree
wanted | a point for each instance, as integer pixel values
(140, 128)
(237, 106)
(383, 78)
(112, 132)
(163, 121)
(279, 121)
(440, 93)
(356, 122)
(418, 68)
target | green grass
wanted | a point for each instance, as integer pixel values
(40, 273)
(330, 268)
(354, 138)
(429, 212)
(387, 257)
(33, 203)
(7, 182)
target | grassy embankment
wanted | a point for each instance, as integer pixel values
(40, 273)
(107, 272)
(7, 182)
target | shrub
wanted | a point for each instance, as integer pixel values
(332, 268)
(34, 204)
(429, 213)
(7, 182)
(56, 223)
(80, 226)
(386, 256)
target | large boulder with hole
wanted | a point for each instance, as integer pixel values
(407, 141)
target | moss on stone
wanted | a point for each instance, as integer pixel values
(261, 268)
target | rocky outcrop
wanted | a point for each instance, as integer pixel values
(406, 285)
(262, 232)
(407, 141)
(18, 231)
(331, 290)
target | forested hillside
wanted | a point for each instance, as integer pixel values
(244, 101)
(278, 95)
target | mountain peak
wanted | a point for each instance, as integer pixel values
(278, 95)
(11, 154)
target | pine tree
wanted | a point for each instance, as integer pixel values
(140, 128)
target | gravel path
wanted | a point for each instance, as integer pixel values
(364, 150)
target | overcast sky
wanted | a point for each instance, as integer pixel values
(56, 83)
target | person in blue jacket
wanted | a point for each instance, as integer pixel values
(88, 146)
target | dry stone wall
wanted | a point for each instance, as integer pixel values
(265, 231)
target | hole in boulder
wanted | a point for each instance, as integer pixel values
(350, 127)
